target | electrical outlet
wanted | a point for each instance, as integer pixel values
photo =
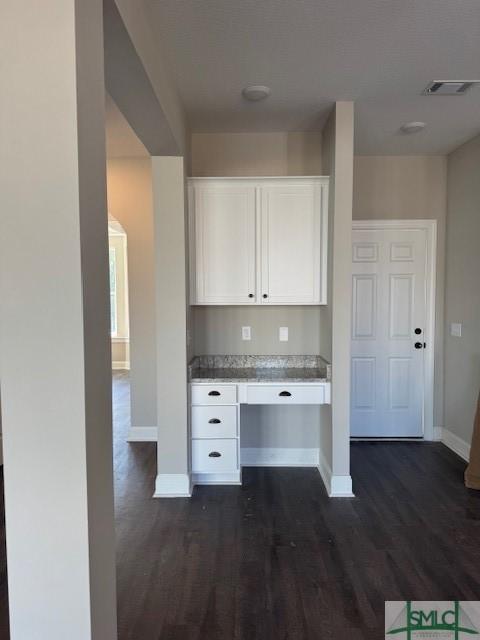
(283, 334)
(456, 329)
(246, 333)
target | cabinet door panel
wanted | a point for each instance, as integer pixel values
(291, 244)
(225, 244)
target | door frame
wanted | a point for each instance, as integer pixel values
(430, 227)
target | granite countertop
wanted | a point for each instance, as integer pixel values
(231, 369)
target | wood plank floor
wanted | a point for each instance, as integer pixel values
(275, 558)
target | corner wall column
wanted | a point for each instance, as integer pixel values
(168, 179)
(55, 334)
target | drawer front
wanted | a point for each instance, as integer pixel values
(214, 422)
(301, 394)
(214, 456)
(214, 394)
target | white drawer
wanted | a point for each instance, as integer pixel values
(214, 394)
(214, 456)
(286, 394)
(214, 422)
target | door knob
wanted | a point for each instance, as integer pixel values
(418, 345)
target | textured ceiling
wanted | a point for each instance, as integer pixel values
(379, 53)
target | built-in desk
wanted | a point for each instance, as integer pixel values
(220, 384)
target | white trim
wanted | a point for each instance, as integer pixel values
(119, 339)
(437, 434)
(341, 487)
(430, 226)
(279, 457)
(120, 365)
(172, 485)
(336, 486)
(1, 450)
(456, 444)
(217, 478)
(142, 434)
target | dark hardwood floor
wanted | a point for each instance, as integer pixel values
(276, 558)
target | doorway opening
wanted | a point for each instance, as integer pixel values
(119, 310)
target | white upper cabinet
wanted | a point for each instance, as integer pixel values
(258, 241)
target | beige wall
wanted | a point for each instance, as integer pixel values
(256, 154)
(129, 185)
(462, 298)
(408, 187)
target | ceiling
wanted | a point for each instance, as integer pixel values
(120, 137)
(379, 53)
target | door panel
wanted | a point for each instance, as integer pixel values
(225, 232)
(388, 303)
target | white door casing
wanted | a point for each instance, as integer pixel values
(392, 296)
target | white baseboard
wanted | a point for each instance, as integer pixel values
(120, 365)
(278, 457)
(217, 478)
(173, 485)
(336, 486)
(142, 434)
(437, 434)
(456, 444)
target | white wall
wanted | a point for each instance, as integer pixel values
(462, 296)
(129, 185)
(408, 187)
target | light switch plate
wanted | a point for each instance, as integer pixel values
(283, 334)
(246, 333)
(456, 329)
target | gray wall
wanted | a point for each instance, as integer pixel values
(462, 296)
(55, 365)
(129, 184)
(408, 187)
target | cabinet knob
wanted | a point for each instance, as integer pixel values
(214, 393)
(214, 454)
(214, 421)
(285, 394)
(265, 295)
(250, 295)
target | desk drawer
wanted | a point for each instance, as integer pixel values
(214, 394)
(214, 422)
(286, 394)
(214, 456)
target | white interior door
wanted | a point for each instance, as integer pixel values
(388, 332)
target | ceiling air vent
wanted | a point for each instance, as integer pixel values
(449, 87)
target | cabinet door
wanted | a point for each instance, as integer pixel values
(224, 220)
(293, 240)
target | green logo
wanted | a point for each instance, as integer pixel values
(445, 617)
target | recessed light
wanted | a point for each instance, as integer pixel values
(412, 127)
(256, 92)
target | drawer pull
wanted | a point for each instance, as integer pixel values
(214, 454)
(214, 393)
(214, 421)
(285, 394)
